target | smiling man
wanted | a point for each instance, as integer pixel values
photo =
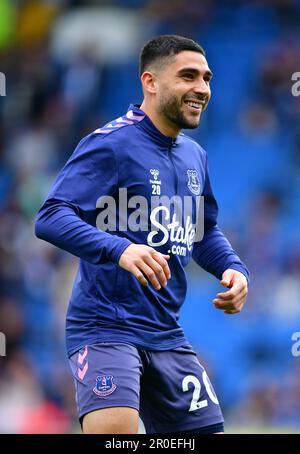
(128, 353)
(176, 89)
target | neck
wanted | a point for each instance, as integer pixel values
(160, 121)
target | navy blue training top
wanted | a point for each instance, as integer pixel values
(108, 303)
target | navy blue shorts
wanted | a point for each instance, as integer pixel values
(170, 389)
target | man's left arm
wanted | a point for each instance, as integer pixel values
(215, 254)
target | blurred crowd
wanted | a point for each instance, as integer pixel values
(71, 66)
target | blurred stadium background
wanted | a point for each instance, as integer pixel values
(71, 66)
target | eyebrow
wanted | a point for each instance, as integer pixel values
(194, 71)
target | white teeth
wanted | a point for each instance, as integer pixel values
(193, 104)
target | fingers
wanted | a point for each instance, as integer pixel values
(230, 306)
(159, 269)
(145, 263)
(225, 282)
(149, 272)
(232, 294)
(141, 270)
(162, 260)
(232, 302)
(138, 274)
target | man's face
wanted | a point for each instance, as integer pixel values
(183, 89)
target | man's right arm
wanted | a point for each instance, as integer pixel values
(89, 173)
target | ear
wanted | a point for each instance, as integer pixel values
(149, 82)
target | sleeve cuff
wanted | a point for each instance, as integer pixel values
(119, 248)
(241, 269)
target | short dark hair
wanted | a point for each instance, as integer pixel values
(164, 47)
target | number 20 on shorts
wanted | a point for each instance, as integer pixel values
(195, 403)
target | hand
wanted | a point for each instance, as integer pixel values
(142, 260)
(232, 301)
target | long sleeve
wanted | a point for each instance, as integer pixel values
(214, 253)
(68, 217)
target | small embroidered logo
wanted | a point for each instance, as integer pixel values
(154, 173)
(193, 181)
(104, 385)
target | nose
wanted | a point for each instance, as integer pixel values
(202, 88)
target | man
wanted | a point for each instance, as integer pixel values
(128, 354)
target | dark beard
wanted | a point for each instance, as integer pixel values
(171, 110)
